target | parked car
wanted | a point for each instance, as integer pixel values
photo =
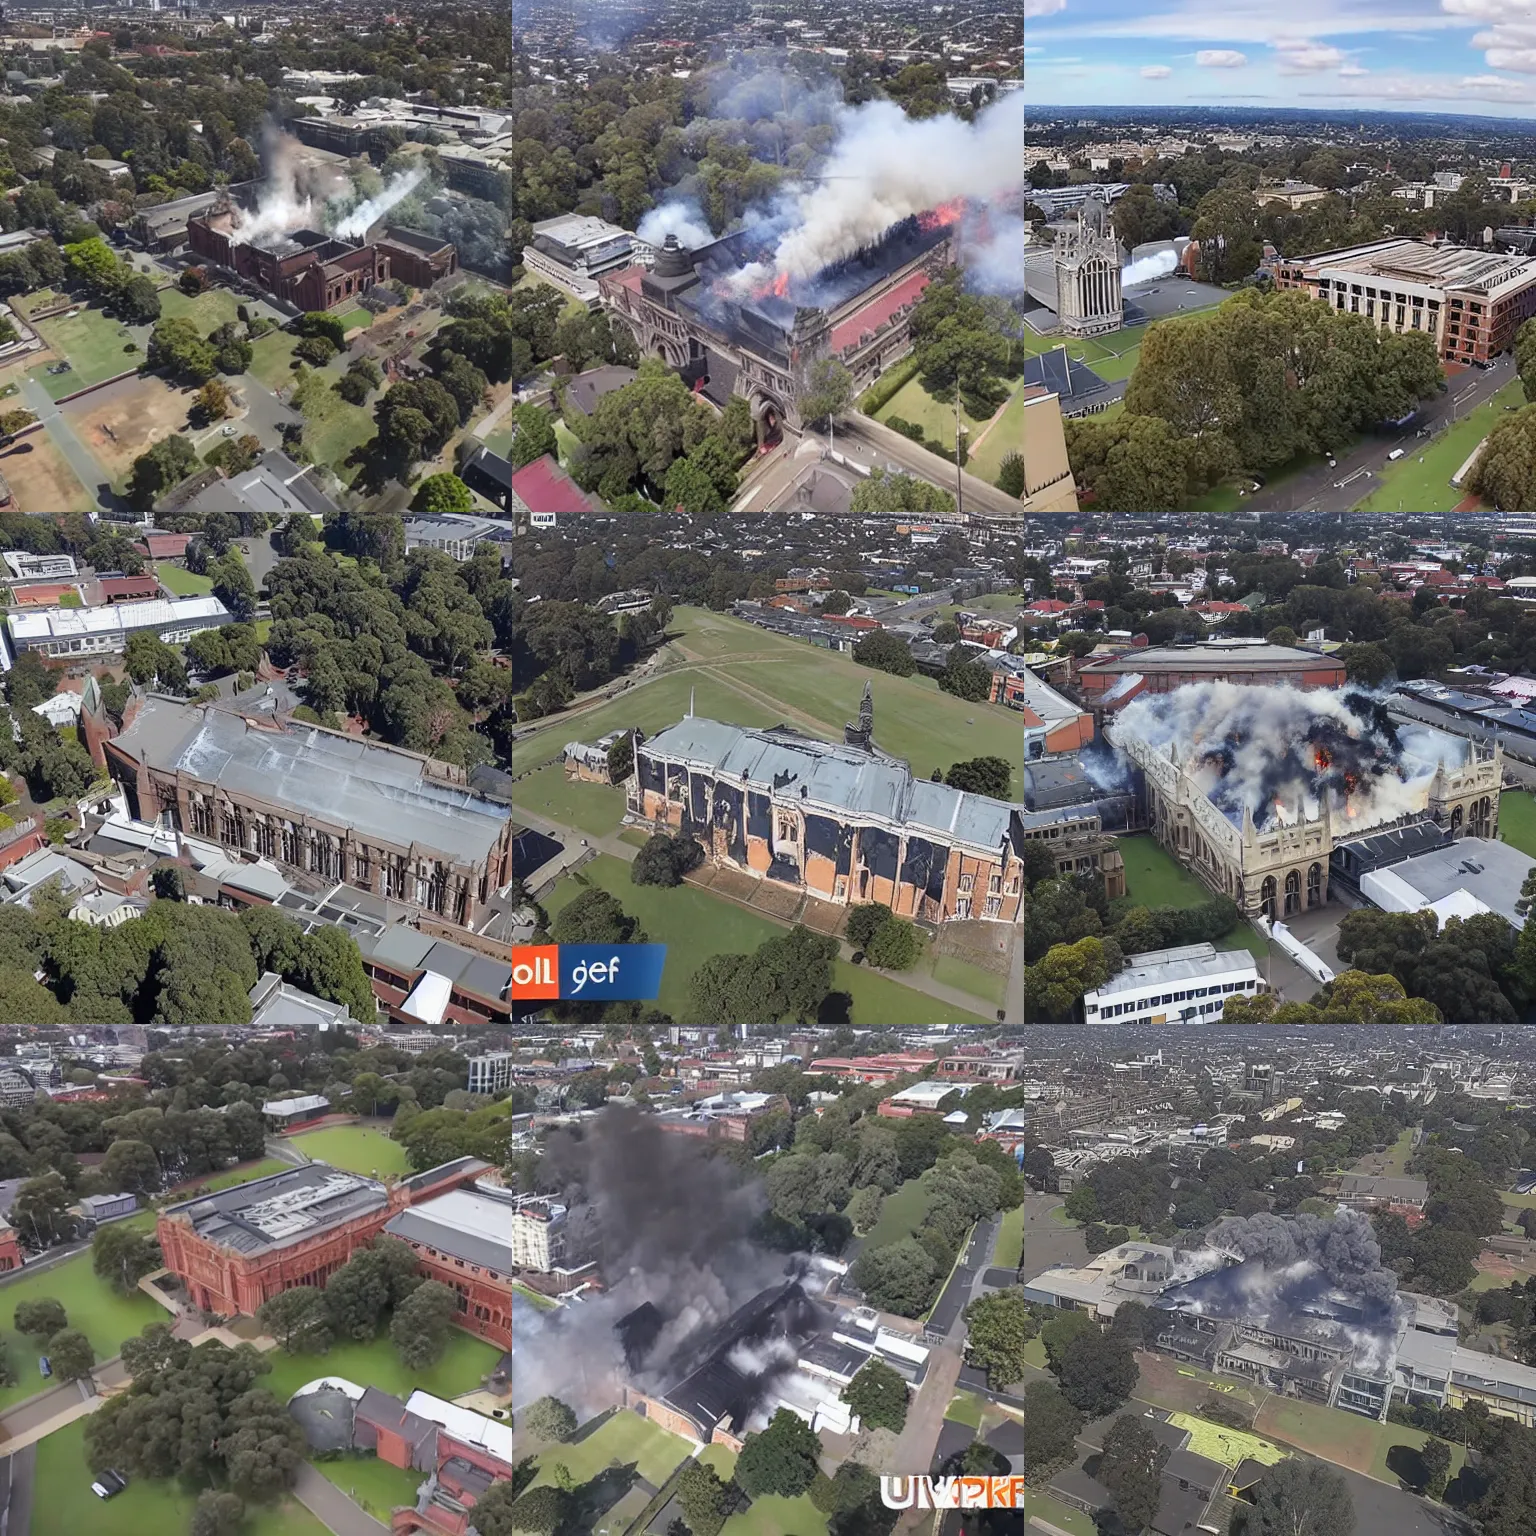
(109, 1485)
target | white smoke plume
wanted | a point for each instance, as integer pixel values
(992, 251)
(362, 218)
(758, 1359)
(887, 167)
(1282, 753)
(287, 200)
(681, 217)
(1145, 268)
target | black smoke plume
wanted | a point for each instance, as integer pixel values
(1342, 1247)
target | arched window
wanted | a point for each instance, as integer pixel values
(1315, 886)
(1267, 896)
(1292, 892)
(1456, 821)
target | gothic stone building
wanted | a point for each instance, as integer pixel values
(845, 823)
(1281, 869)
(761, 347)
(237, 1248)
(316, 802)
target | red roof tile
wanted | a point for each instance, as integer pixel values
(874, 315)
(543, 486)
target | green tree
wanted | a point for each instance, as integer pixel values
(878, 1395)
(828, 392)
(892, 491)
(990, 776)
(705, 1501)
(1299, 1497)
(70, 1354)
(533, 435)
(548, 1419)
(443, 493)
(999, 1326)
(40, 1319)
(897, 1277)
(176, 348)
(885, 652)
(1435, 1458)
(160, 468)
(1098, 1373)
(121, 1255)
(1130, 1466)
(423, 1324)
(780, 1459)
(1051, 1428)
(299, 1319)
(218, 1514)
(137, 301)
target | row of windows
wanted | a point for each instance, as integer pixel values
(1115, 1010)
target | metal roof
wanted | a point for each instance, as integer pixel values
(383, 794)
(464, 1224)
(1193, 962)
(821, 775)
(153, 613)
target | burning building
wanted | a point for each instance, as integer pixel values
(1252, 788)
(731, 325)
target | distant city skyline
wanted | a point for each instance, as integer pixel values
(1431, 55)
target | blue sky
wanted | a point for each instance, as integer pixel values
(1476, 56)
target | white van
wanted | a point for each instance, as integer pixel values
(1396, 453)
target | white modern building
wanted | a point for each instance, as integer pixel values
(491, 1073)
(572, 251)
(455, 534)
(105, 631)
(29, 567)
(1190, 985)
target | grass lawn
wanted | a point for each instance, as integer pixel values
(900, 1216)
(954, 972)
(208, 311)
(543, 1303)
(373, 1484)
(245, 1173)
(263, 628)
(179, 580)
(95, 1309)
(1009, 1248)
(913, 403)
(721, 1458)
(355, 319)
(1154, 878)
(272, 359)
(334, 427)
(775, 1516)
(747, 676)
(1421, 480)
(1004, 436)
(1063, 1516)
(1034, 1353)
(1517, 821)
(92, 343)
(567, 439)
(965, 1408)
(355, 1149)
(66, 1506)
(624, 1437)
(1345, 1438)
(595, 809)
(696, 924)
(377, 1364)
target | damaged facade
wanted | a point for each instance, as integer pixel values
(846, 823)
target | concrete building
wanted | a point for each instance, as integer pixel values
(538, 1233)
(1189, 985)
(491, 1073)
(573, 250)
(103, 1207)
(456, 534)
(378, 819)
(845, 823)
(1470, 302)
(1052, 724)
(28, 567)
(1370, 1190)
(1465, 878)
(286, 1114)
(71, 632)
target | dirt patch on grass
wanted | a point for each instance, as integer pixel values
(41, 479)
(119, 423)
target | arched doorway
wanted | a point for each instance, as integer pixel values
(1456, 822)
(1292, 892)
(1267, 897)
(1315, 886)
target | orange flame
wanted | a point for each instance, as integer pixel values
(942, 216)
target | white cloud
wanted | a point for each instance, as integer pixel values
(1254, 21)
(1352, 72)
(1298, 56)
(1220, 58)
(1521, 60)
(1436, 88)
(1155, 72)
(1034, 9)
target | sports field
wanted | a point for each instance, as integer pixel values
(93, 1307)
(1421, 480)
(748, 676)
(178, 579)
(1153, 878)
(91, 343)
(376, 1363)
(695, 924)
(354, 1148)
(65, 1506)
(41, 479)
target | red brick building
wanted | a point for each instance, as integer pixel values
(1163, 668)
(239, 1247)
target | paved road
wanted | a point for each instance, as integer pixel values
(1013, 999)
(1318, 490)
(265, 414)
(329, 1505)
(863, 438)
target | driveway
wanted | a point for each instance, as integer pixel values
(20, 1476)
(332, 1508)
